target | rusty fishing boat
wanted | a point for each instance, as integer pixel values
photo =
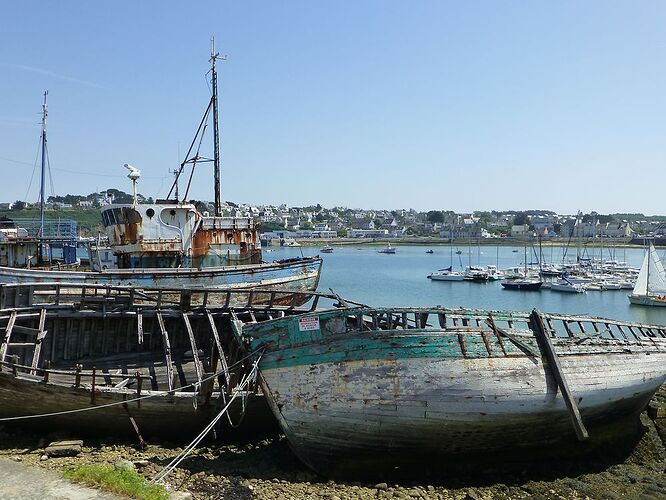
(169, 243)
(364, 390)
(118, 360)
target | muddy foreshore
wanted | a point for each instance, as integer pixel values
(267, 469)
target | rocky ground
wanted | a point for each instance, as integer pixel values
(268, 469)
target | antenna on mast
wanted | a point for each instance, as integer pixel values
(176, 174)
(214, 56)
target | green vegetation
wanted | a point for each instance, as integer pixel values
(435, 216)
(272, 226)
(120, 480)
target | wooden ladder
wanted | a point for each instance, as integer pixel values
(39, 333)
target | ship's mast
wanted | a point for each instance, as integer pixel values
(214, 56)
(41, 191)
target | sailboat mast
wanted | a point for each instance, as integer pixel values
(41, 190)
(214, 56)
(647, 284)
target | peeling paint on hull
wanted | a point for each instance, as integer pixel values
(370, 399)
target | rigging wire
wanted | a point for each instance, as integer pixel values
(48, 162)
(34, 168)
(190, 447)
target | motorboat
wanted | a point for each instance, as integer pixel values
(476, 273)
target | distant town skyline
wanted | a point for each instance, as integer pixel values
(379, 104)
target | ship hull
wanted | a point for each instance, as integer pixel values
(646, 300)
(340, 420)
(178, 416)
(355, 402)
(296, 275)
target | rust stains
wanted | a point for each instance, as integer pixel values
(204, 239)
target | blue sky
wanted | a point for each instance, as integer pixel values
(376, 104)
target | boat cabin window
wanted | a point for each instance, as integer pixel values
(124, 215)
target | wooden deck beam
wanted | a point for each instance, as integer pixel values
(195, 349)
(38, 342)
(556, 369)
(167, 351)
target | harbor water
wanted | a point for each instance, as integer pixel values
(361, 273)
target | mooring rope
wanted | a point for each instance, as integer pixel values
(140, 398)
(195, 442)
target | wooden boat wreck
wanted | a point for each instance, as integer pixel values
(360, 390)
(115, 360)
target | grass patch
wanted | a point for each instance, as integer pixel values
(124, 481)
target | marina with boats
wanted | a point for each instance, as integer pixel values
(189, 324)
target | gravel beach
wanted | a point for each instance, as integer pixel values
(268, 469)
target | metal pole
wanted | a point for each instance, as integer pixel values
(216, 134)
(41, 192)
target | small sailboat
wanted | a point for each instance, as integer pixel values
(446, 275)
(387, 249)
(650, 288)
(526, 283)
(567, 286)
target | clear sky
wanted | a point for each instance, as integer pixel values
(434, 105)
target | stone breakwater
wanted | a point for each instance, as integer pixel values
(268, 469)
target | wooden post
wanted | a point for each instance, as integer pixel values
(139, 326)
(92, 389)
(195, 349)
(543, 338)
(47, 367)
(139, 379)
(38, 342)
(142, 443)
(77, 379)
(185, 300)
(167, 350)
(220, 350)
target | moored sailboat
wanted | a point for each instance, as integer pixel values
(387, 249)
(650, 288)
(446, 275)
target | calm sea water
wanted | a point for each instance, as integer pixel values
(360, 273)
